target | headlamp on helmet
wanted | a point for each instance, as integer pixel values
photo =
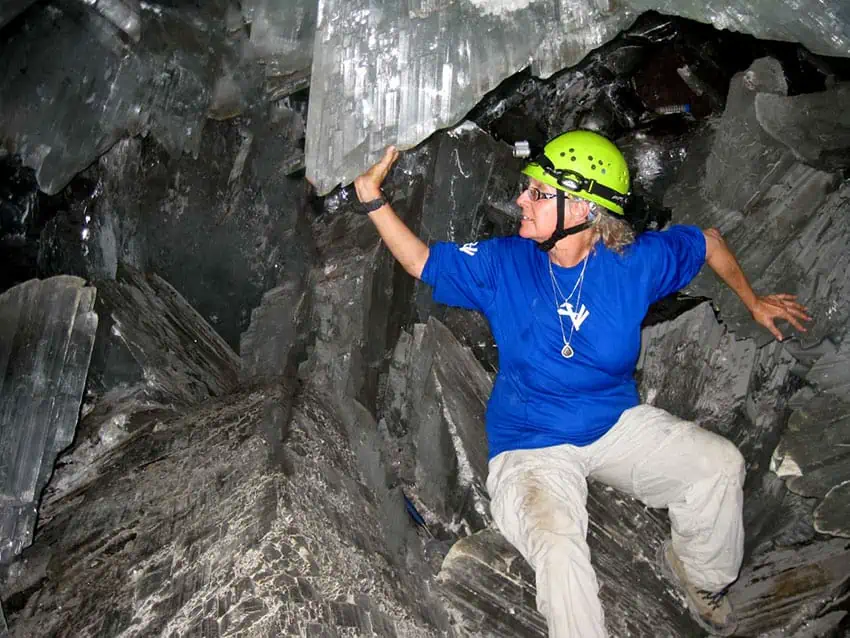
(586, 165)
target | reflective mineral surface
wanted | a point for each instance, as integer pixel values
(226, 411)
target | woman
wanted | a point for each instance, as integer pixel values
(565, 301)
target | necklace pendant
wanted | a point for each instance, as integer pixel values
(567, 351)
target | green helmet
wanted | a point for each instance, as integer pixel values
(584, 164)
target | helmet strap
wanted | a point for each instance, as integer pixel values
(560, 231)
(573, 180)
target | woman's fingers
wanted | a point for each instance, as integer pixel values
(781, 306)
(799, 311)
(790, 306)
(368, 184)
(385, 163)
(768, 322)
(794, 322)
(390, 156)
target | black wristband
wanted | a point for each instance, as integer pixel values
(372, 205)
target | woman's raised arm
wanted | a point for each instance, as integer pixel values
(410, 251)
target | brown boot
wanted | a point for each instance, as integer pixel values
(711, 610)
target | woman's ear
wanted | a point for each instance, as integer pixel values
(581, 210)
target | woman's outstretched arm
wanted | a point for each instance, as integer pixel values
(410, 251)
(765, 309)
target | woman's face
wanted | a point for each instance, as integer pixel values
(540, 217)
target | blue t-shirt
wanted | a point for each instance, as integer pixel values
(540, 398)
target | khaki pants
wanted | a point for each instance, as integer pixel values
(539, 498)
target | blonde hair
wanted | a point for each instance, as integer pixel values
(615, 233)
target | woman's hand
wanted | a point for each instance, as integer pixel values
(767, 309)
(368, 185)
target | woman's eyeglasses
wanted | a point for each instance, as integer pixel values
(535, 194)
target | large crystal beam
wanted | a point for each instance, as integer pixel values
(47, 331)
(392, 73)
(387, 72)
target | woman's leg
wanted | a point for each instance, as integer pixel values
(538, 500)
(698, 475)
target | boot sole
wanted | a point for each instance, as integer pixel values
(670, 575)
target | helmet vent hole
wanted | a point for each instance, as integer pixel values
(562, 154)
(573, 158)
(603, 171)
(572, 150)
(593, 167)
(590, 157)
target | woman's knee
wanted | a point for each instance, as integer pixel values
(560, 551)
(722, 457)
(735, 464)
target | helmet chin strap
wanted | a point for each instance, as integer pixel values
(560, 231)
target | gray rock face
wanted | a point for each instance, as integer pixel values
(434, 421)
(154, 355)
(779, 216)
(742, 155)
(276, 338)
(832, 515)
(11, 9)
(175, 354)
(482, 578)
(830, 373)
(237, 220)
(814, 460)
(282, 35)
(123, 14)
(738, 161)
(265, 512)
(816, 126)
(352, 301)
(780, 592)
(246, 541)
(46, 340)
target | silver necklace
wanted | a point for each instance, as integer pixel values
(567, 351)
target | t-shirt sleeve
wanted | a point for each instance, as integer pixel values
(675, 256)
(463, 275)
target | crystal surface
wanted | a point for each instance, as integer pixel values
(282, 34)
(48, 331)
(71, 86)
(392, 73)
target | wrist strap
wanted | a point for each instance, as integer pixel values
(372, 205)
